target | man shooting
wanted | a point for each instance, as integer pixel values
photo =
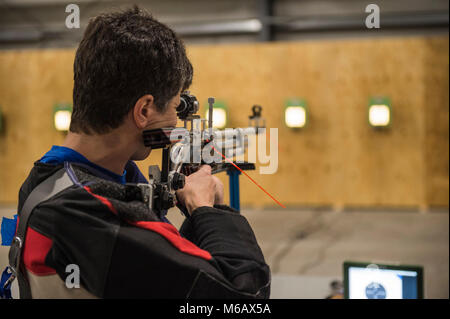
(129, 71)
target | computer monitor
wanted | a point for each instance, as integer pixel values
(381, 281)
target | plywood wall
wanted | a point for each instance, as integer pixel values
(337, 160)
(436, 103)
(30, 83)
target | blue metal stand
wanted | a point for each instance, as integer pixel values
(234, 188)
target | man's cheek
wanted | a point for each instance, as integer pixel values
(174, 119)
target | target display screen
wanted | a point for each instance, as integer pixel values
(374, 281)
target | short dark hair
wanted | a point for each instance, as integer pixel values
(123, 56)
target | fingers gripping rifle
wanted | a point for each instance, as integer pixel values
(182, 150)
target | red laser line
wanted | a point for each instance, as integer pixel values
(248, 177)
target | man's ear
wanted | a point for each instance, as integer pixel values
(143, 110)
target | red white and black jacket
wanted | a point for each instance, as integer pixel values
(124, 250)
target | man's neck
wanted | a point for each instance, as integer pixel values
(110, 151)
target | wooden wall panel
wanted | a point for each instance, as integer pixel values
(30, 83)
(337, 160)
(14, 139)
(436, 102)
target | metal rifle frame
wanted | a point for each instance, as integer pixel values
(160, 192)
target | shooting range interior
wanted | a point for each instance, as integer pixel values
(361, 112)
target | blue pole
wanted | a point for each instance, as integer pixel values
(234, 188)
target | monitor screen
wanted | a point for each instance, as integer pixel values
(375, 281)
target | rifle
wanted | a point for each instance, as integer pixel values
(182, 151)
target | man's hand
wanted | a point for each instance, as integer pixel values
(218, 199)
(201, 189)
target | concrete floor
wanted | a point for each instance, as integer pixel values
(306, 248)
